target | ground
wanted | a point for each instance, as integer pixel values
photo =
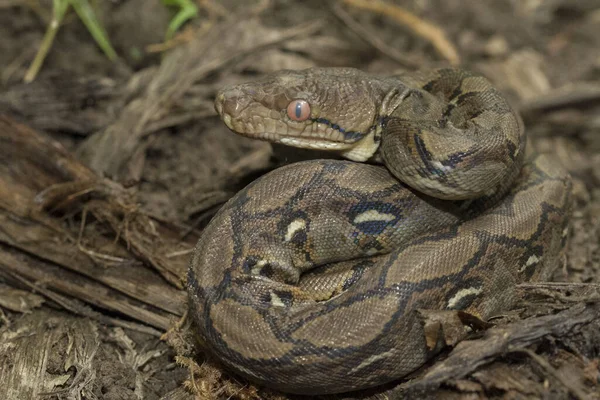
(110, 170)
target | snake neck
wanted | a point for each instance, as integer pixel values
(388, 95)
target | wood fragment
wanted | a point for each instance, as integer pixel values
(54, 246)
(29, 350)
(469, 355)
(563, 292)
(502, 376)
(28, 271)
(37, 175)
(573, 388)
(18, 300)
(62, 102)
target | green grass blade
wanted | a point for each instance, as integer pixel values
(59, 9)
(187, 11)
(86, 13)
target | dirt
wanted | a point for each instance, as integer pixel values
(161, 163)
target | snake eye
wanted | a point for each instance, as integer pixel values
(298, 110)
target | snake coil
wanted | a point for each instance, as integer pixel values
(310, 280)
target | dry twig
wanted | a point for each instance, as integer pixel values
(472, 354)
(424, 29)
(374, 40)
(571, 386)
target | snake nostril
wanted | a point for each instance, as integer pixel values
(231, 101)
(233, 105)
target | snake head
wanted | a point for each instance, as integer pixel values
(334, 109)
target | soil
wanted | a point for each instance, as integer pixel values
(109, 171)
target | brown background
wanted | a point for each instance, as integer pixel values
(95, 232)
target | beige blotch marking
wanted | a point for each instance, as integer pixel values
(372, 252)
(295, 226)
(373, 359)
(373, 215)
(530, 261)
(461, 294)
(276, 300)
(258, 267)
(440, 166)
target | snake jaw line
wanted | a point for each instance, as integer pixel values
(361, 150)
(311, 143)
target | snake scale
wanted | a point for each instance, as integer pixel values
(312, 279)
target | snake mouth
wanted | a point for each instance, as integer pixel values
(277, 131)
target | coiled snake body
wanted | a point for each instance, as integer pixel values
(312, 279)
